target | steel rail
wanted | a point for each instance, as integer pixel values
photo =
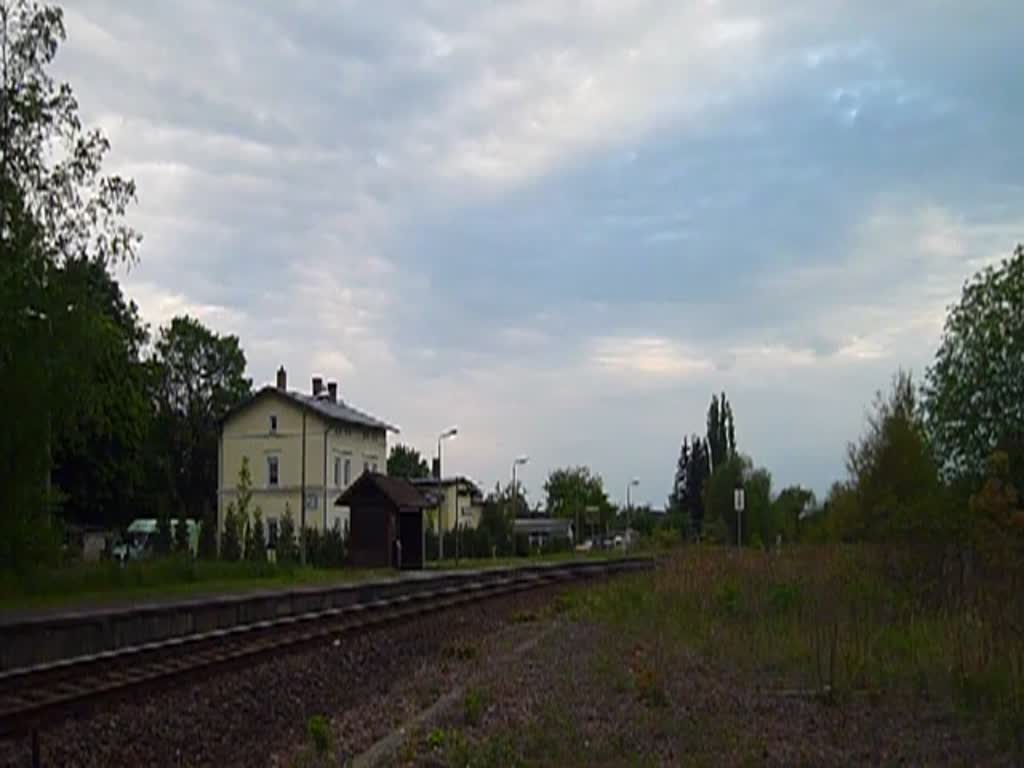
(42, 695)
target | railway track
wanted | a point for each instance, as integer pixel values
(35, 697)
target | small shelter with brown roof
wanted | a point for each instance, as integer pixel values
(385, 523)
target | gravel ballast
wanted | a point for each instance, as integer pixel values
(365, 686)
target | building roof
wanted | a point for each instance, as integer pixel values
(541, 525)
(398, 490)
(433, 482)
(338, 412)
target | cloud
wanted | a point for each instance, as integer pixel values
(562, 225)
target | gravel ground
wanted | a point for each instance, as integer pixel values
(588, 697)
(366, 686)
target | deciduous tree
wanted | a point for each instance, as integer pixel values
(55, 205)
(578, 494)
(406, 461)
(199, 376)
(974, 391)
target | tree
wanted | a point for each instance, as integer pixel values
(974, 391)
(163, 538)
(231, 538)
(96, 455)
(891, 470)
(286, 548)
(199, 376)
(578, 494)
(55, 205)
(758, 521)
(790, 506)
(256, 546)
(245, 527)
(696, 478)
(678, 499)
(405, 461)
(721, 435)
(718, 495)
(182, 544)
(208, 536)
(500, 509)
(998, 524)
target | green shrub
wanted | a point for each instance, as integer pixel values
(473, 707)
(727, 599)
(784, 598)
(319, 731)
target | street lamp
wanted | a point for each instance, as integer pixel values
(629, 506)
(440, 512)
(517, 462)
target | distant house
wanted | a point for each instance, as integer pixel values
(451, 500)
(303, 450)
(541, 531)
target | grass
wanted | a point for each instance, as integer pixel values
(466, 563)
(722, 657)
(176, 577)
(110, 583)
(825, 621)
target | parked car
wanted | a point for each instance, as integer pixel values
(138, 543)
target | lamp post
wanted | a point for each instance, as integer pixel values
(518, 462)
(629, 506)
(440, 511)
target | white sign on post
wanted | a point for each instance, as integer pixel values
(738, 499)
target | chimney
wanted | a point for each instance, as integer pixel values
(282, 379)
(318, 386)
(332, 391)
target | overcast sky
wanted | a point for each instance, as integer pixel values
(561, 226)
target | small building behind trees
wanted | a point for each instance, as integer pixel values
(385, 522)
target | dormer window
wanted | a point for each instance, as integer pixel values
(273, 422)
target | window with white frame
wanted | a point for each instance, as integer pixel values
(337, 471)
(273, 422)
(273, 472)
(348, 472)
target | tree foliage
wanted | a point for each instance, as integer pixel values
(96, 456)
(231, 537)
(256, 546)
(286, 549)
(182, 543)
(891, 470)
(500, 509)
(697, 473)
(974, 391)
(208, 536)
(578, 494)
(163, 539)
(56, 206)
(406, 461)
(721, 434)
(198, 377)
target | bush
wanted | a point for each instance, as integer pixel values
(256, 542)
(231, 541)
(181, 537)
(319, 731)
(473, 707)
(286, 549)
(208, 537)
(162, 539)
